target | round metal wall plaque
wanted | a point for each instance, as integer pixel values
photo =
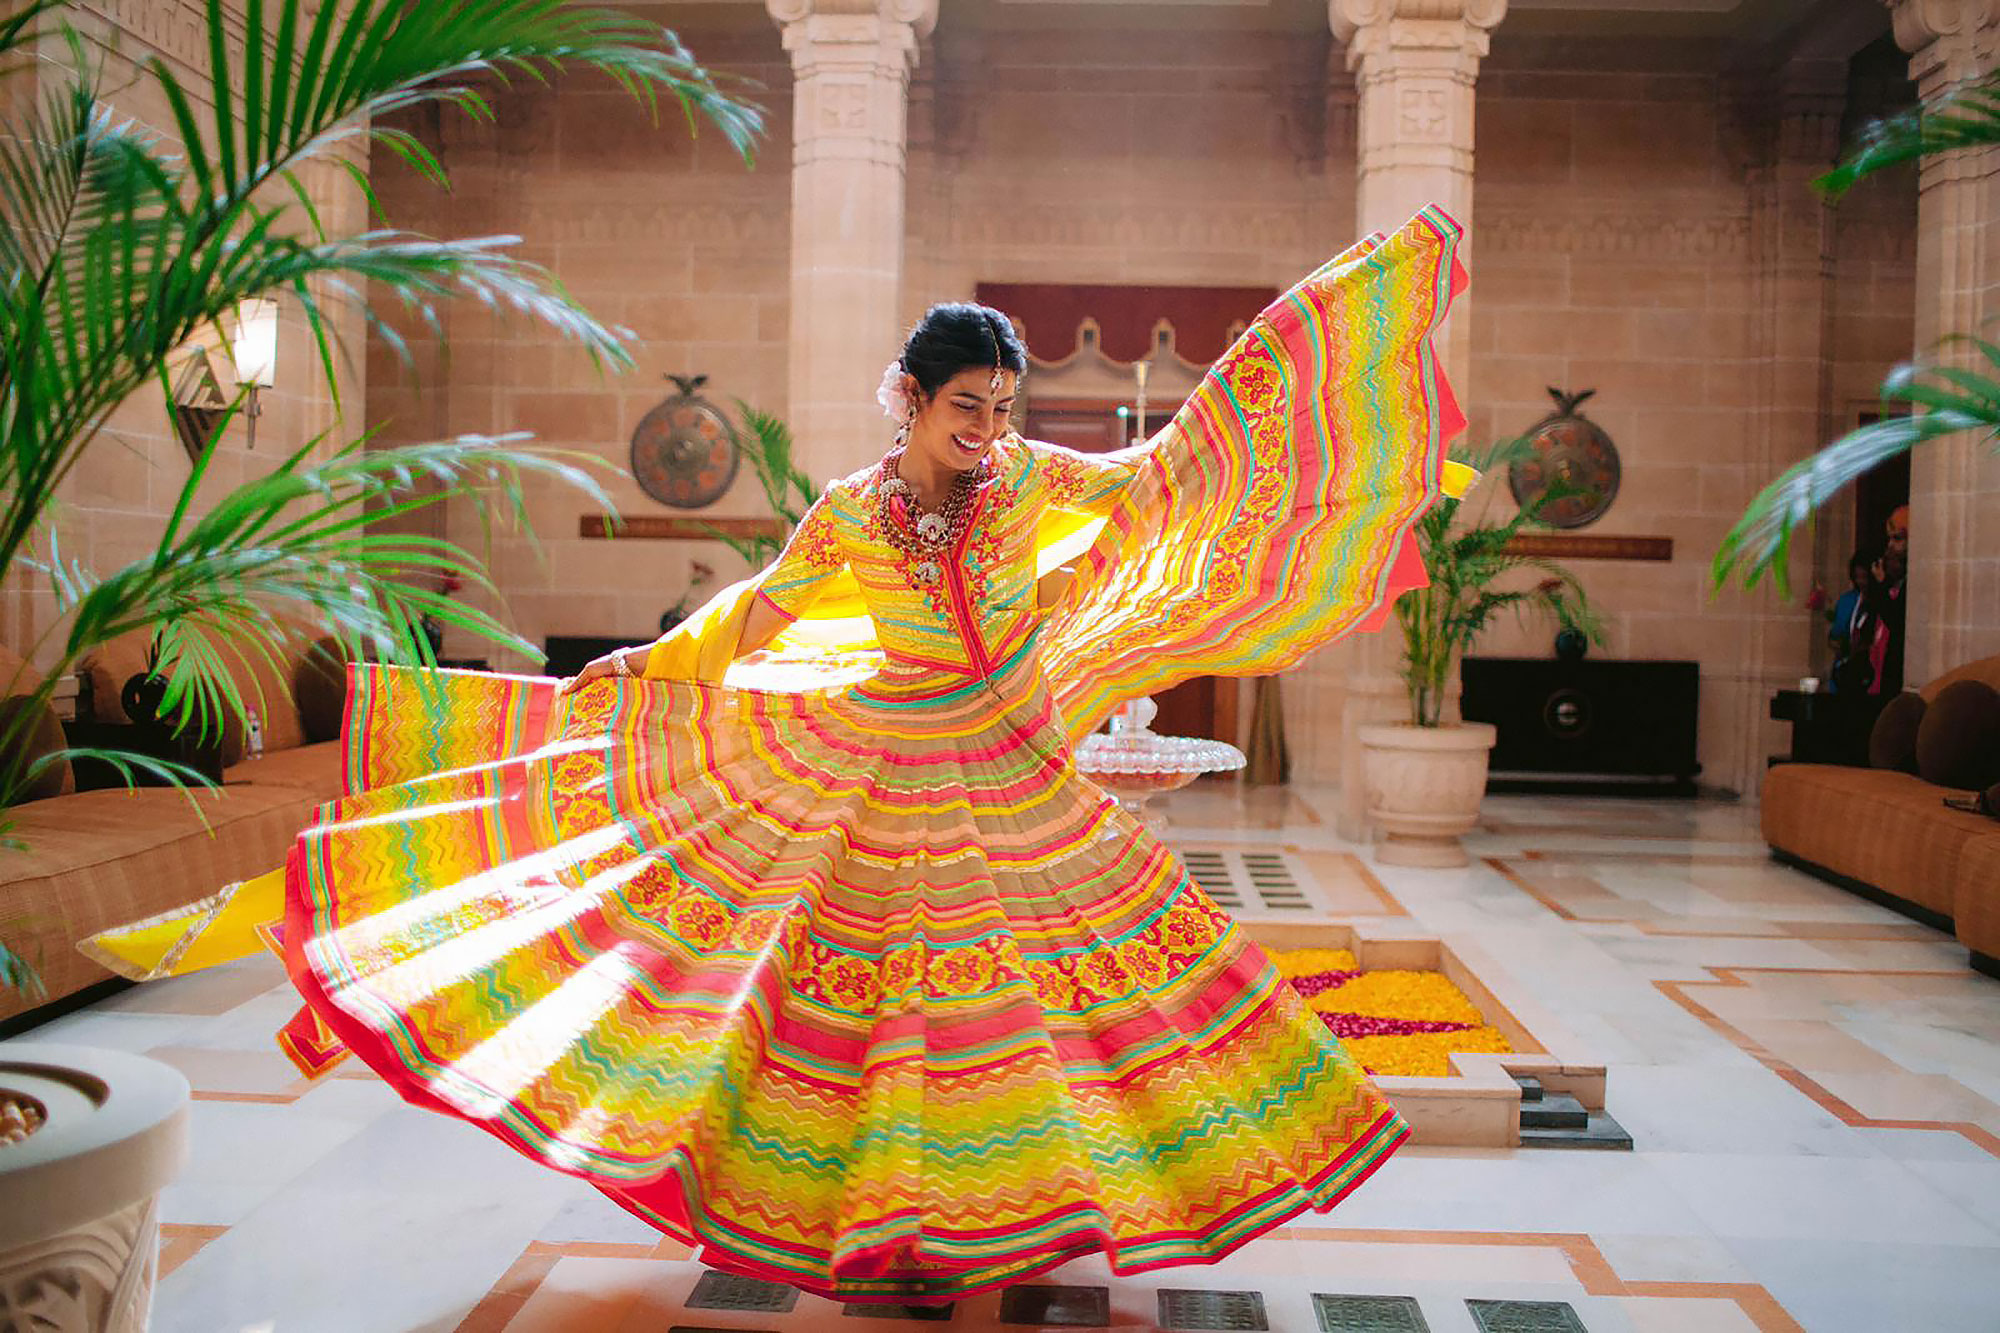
(685, 452)
(1573, 452)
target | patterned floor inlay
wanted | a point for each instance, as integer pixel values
(1369, 1314)
(1067, 1307)
(1841, 1179)
(729, 1291)
(1181, 1307)
(1525, 1317)
(1806, 1038)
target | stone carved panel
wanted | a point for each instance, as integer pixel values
(1111, 226)
(1422, 114)
(721, 225)
(1638, 235)
(843, 105)
(95, 1279)
(177, 29)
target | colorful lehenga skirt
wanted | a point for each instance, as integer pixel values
(872, 993)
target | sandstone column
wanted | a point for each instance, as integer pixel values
(1954, 588)
(851, 62)
(1793, 116)
(1415, 64)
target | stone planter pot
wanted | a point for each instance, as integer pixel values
(79, 1220)
(1424, 789)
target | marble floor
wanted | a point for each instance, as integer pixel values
(1812, 1084)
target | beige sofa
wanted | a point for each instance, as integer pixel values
(89, 860)
(1889, 836)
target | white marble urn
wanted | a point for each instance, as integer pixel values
(79, 1220)
(1424, 789)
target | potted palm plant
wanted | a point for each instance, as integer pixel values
(1425, 777)
(1952, 390)
(117, 248)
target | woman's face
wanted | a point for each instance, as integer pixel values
(957, 427)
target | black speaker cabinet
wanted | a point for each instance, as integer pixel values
(567, 653)
(1587, 724)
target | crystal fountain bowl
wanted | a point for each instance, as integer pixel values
(1133, 762)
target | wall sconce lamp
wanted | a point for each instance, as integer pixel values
(253, 345)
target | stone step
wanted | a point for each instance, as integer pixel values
(1531, 1087)
(1601, 1132)
(1556, 1110)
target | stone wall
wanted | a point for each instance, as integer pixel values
(1071, 158)
(671, 237)
(113, 506)
(1654, 267)
(1622, 249)
(1125, 157)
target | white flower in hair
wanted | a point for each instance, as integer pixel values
(895, 402)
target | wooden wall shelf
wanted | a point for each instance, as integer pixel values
(670, 528)
(1588, 546)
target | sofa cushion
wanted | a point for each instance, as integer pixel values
(1958, 742)
(16, 676)
(109, 665)
(322, 689)
(1985, 668)
(265, 684)
(1893, 741)
(97, 859)
(1976, 904)
(311, 769)
(42, 736)
(1885, 829)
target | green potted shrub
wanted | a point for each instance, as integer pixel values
(120, 247)
(1426, 776)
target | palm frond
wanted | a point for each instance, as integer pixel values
(1965, 116)
(117, 251)
(1759, 545)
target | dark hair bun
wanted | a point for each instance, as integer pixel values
(956, 335)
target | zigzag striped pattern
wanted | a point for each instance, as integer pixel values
(1273, 513)
(866, 989)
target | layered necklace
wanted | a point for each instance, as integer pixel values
(924, 536)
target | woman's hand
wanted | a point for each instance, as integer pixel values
(596, 668)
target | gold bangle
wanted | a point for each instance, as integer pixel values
(621, 665)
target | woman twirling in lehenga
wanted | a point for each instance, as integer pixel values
(798, 933)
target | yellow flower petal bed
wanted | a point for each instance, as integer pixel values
(1422, 995)
(1422, 1054)
(1397, 995)
(1311, 962)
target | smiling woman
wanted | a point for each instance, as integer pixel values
(820, 953)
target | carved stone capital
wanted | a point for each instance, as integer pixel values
(1948, 40)
(919, 16)
(854, 40)
(1368, 27)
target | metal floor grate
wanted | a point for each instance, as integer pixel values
(1249, 881)
(731, 1291)
(1369, 1314)
(1525, 1317)
(1180, 1308)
